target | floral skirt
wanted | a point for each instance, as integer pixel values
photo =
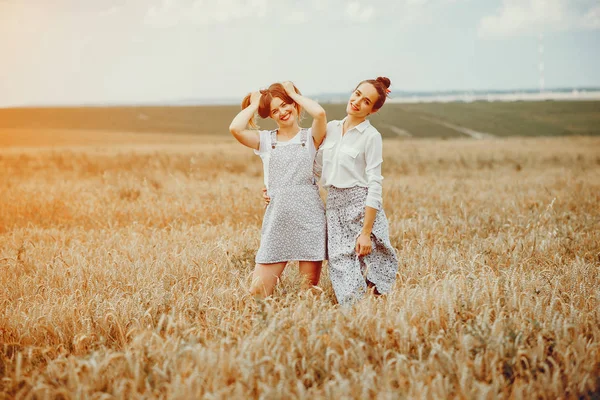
(349, 273)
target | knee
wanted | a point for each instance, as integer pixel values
(313, 279)
(257, 289)
(257, 293)
(261, 287)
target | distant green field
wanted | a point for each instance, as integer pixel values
(547, 118)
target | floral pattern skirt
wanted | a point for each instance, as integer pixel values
(350, 273)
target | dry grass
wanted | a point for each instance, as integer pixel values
(124, 268)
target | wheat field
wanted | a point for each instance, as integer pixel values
(125, 262)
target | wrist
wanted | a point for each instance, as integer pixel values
(365, 233)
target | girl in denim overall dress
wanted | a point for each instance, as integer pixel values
(294, 222)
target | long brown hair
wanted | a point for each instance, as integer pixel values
(266, 96)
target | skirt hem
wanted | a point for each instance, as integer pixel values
(288, 260)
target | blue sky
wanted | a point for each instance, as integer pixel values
(73, 51)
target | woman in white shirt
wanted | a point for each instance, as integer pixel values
(360, 254)
(293, 226)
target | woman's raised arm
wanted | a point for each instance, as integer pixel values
(239, 125)
(314, 109)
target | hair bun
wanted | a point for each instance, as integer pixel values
(385, 81)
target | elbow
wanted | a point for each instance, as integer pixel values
(235, 131)
(375, 184)
(321, 114)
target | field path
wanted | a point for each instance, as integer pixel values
(398, 131)
(469, 132)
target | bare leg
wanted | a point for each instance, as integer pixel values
(310, 272)
(264, 279)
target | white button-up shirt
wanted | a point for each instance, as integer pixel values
(353, 159)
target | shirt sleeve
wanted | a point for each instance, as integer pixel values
(373, 160)
(264, 137)
(318, 165)
(311, 142)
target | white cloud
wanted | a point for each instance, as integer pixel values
(403, 13)
(591, 20)
(358, 13)
(166, 13)
(519, 17)
(171, 12)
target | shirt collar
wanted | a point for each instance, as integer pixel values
(360, 127)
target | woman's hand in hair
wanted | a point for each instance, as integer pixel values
(289, 88)
(314, 109)
(255, 98)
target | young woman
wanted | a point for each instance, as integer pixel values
(360, 254)
(359, 248)
(294, 222)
